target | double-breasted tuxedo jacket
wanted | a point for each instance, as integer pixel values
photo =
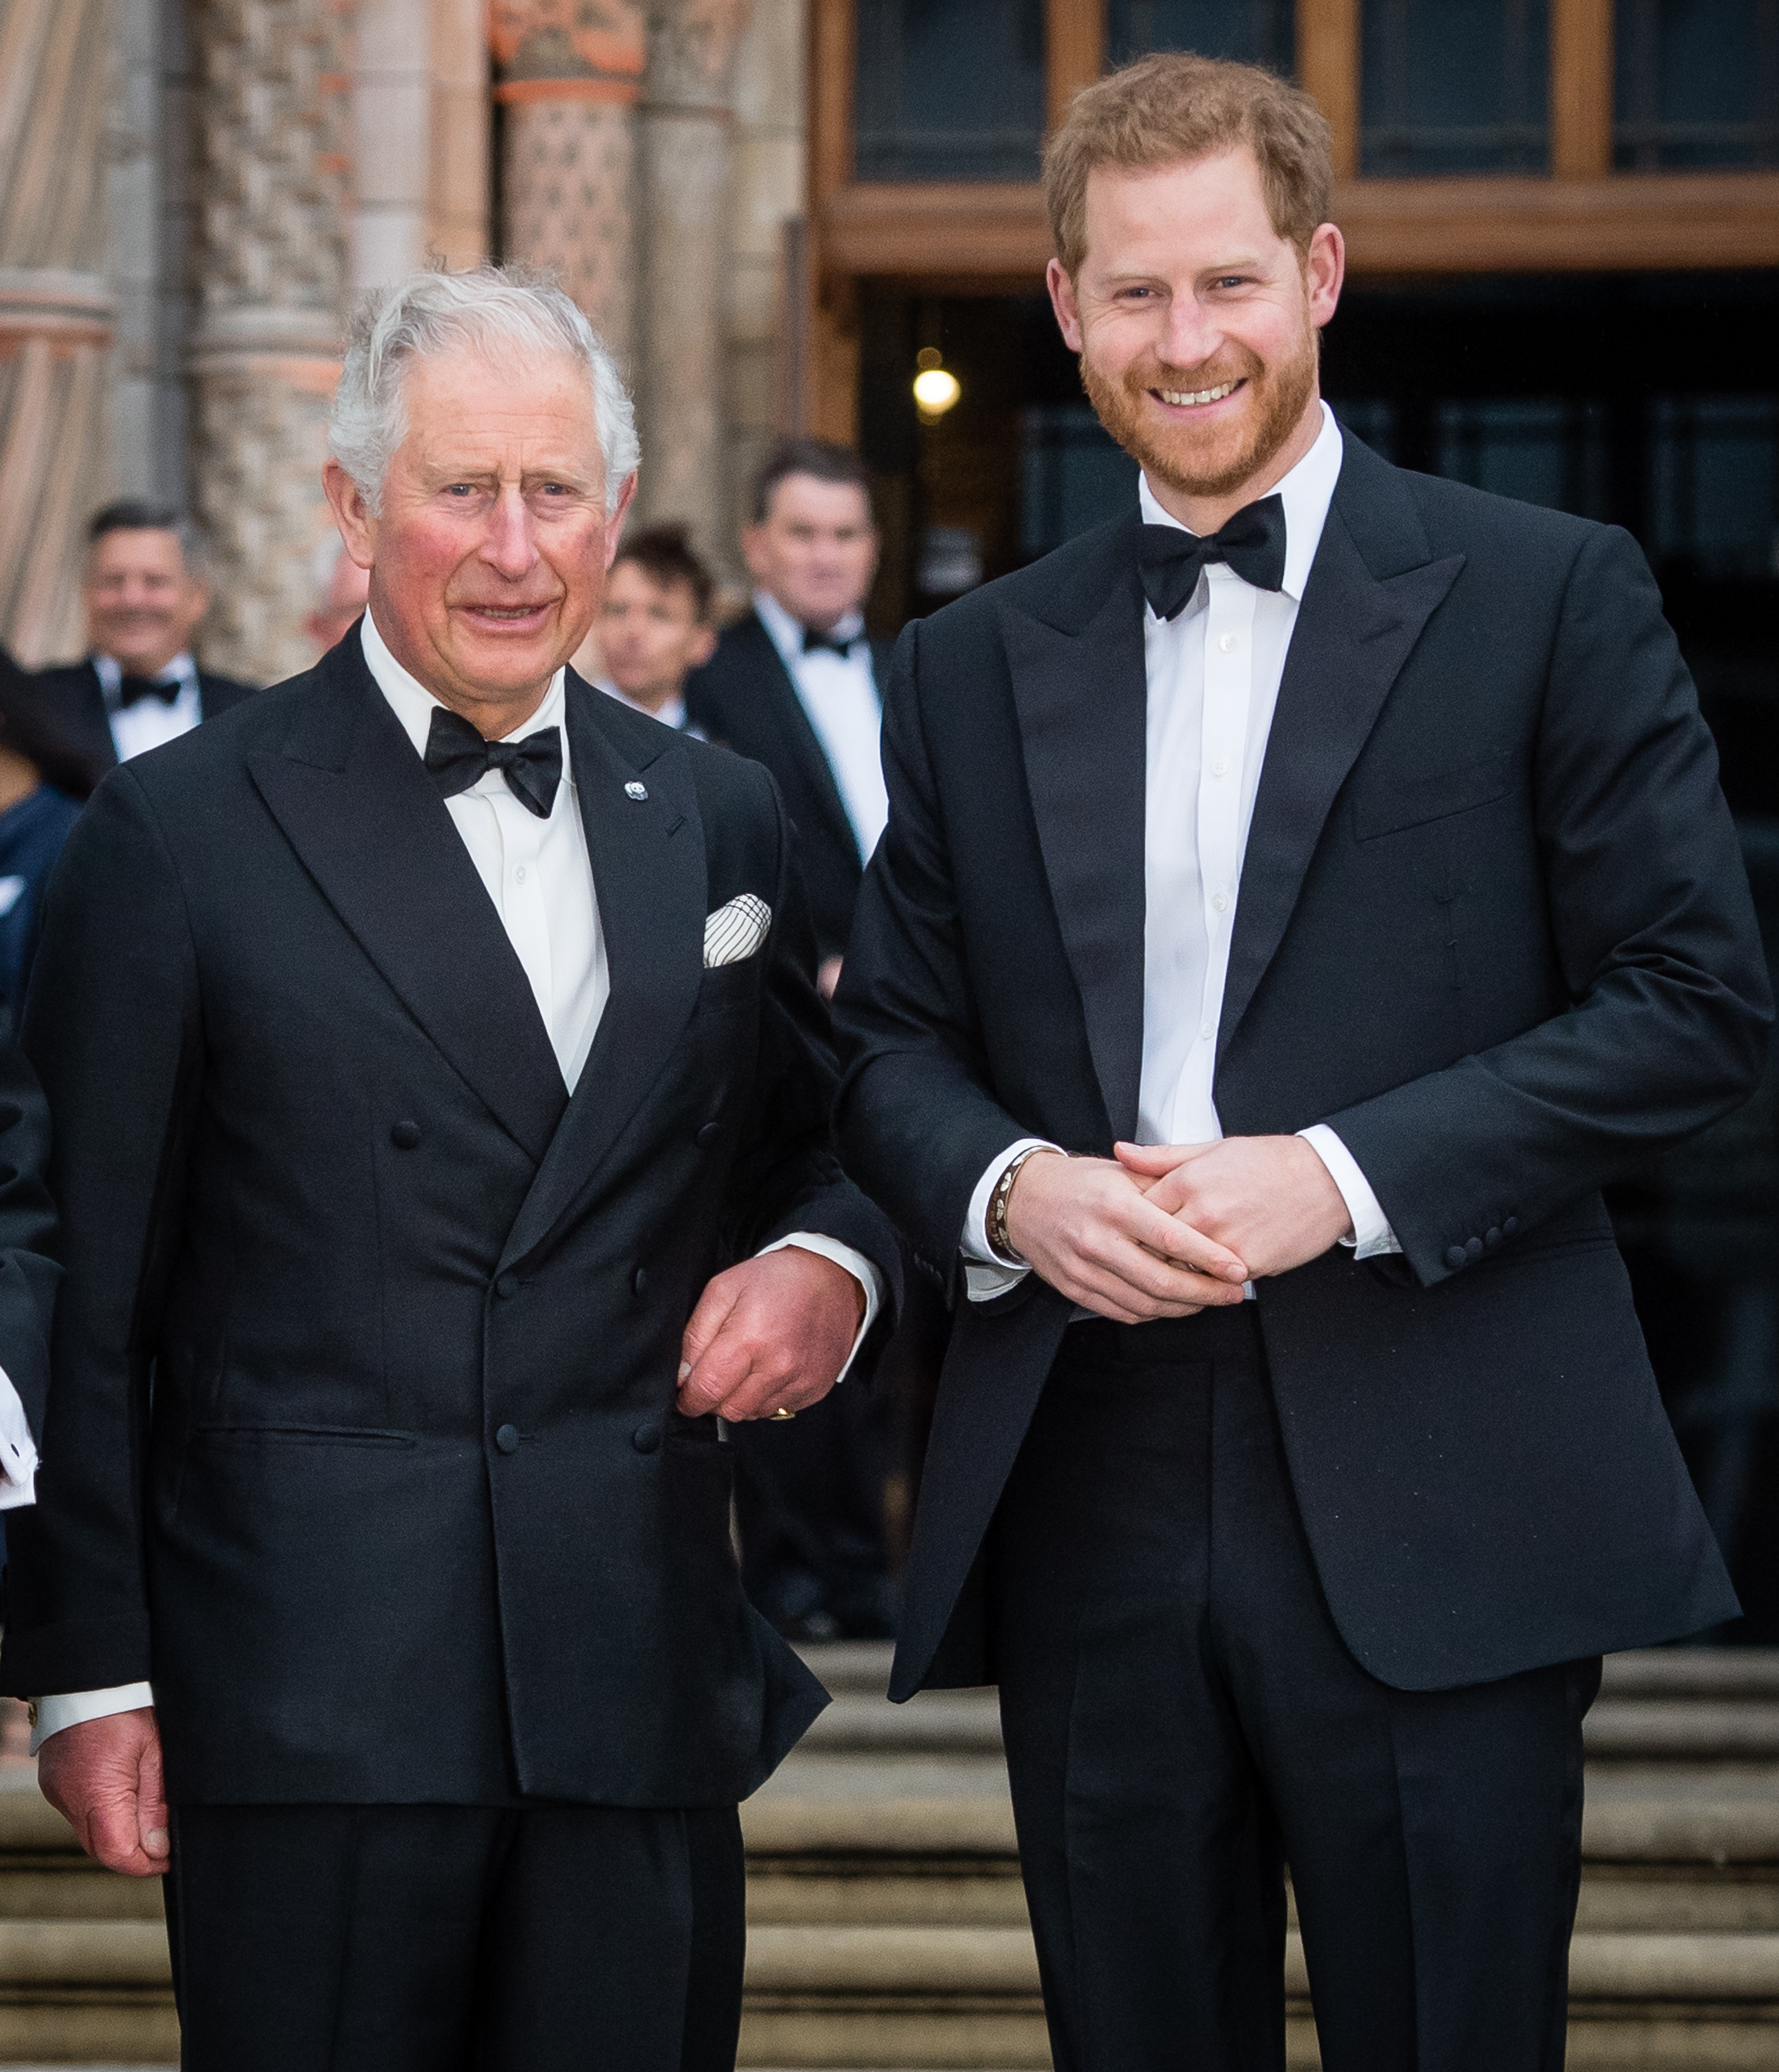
(74, 708)
(744, 697)
(361, 1443)
(1493, 927)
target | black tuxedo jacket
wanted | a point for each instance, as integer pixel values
(28, 1272)
(75, 706)
(1493, 927)
(362, 1443)
(744, 698)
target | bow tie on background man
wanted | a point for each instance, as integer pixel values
(457, 757)
(814, 643)
(1253, 543)
(132, 690)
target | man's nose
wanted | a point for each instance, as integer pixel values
(1188, 335)
(510, 546)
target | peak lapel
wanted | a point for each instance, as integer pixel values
(1354, 632)
(649, 879)
(1083, 701)
(355, 803)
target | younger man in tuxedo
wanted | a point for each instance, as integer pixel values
(655, 624)
(1330, 860)
(145, 590)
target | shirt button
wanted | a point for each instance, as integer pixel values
(1220, 768)
(519, 873)
(1206, 1033)
(1221, 902)
(507, 1438)
(1226, 642)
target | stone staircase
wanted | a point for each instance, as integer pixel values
(888, 1928)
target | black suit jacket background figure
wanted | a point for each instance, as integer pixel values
(362, 1443)
(74, 706)
(1493, 927)
(744, 697)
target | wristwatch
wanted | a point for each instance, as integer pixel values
(999, 1242)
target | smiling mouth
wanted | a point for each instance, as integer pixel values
(510, 612)
(1180, 398)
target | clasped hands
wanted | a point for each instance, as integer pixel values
(1169, 1230)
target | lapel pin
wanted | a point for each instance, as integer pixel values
(634, 790)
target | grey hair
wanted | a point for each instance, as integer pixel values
(484, 308)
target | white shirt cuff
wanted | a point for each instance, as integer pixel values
(985, 1276)
(862, 1271)
(1372, 1236)
(74, 1709)
(18, 1454)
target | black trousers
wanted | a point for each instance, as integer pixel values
(456, 1938)
(1182, 1720)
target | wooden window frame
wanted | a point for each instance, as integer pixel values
(988, 237)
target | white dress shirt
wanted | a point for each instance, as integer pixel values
(839, 696)
(1214, 672)
(149, 723)
(539, 876)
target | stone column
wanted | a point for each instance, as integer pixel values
(391, 140)
(686, 161)
(456, 226)
(274, 115)
(568, 75)
(56, 314)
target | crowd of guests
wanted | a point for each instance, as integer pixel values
(791, 681)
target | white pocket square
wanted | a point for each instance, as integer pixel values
(736, 931)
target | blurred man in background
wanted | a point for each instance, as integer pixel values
(655, 624)
(796, 683)
(42, 780)
(146, 592)
(342, 590)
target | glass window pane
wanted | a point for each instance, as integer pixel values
(1543, 451)
(1714, 484)
(1257, 31)
(1071, 475)
(950, 89)
(1698, 83)
(1455, 86)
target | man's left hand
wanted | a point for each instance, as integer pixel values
(1270, 1199)
(771, 1333)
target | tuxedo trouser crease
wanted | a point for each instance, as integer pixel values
(1182, 1719)
(457, 1939)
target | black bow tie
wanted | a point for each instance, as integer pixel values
(813, 643)
(132, 690)
(1253, 543)
(457, 757)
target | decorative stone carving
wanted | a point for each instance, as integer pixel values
(56, 315)
(568, 75)
(274, 114)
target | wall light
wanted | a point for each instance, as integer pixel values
(936, 388)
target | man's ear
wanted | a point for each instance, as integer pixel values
(358, 529)
(1064, 302)
(614, 524)
(704, 646)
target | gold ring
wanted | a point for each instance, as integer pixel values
(781, 1416)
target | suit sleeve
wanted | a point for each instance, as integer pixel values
(28, 1271)
(917, 1125)
(785, 1177)
(114, 1029)
(1654, 930)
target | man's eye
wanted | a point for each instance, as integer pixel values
(1232, 281)
(461, 489)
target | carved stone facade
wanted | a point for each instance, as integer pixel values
(56, 311)
(190, 191)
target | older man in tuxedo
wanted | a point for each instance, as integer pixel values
(1330, 860)
(440, 1095)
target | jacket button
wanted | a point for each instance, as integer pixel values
(507, 1285)
(1492, 1235)
(507, 1438)
(1509, 1226)
(1474, 1248)
(405, 1137)
(1456, 1256)
(710, 1132)
(639, 1280)
(647, 1438)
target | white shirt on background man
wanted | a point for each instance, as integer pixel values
(150, 722)
(841, 700)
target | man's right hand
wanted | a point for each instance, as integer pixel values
(1086, 1228)
(104, 1777)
